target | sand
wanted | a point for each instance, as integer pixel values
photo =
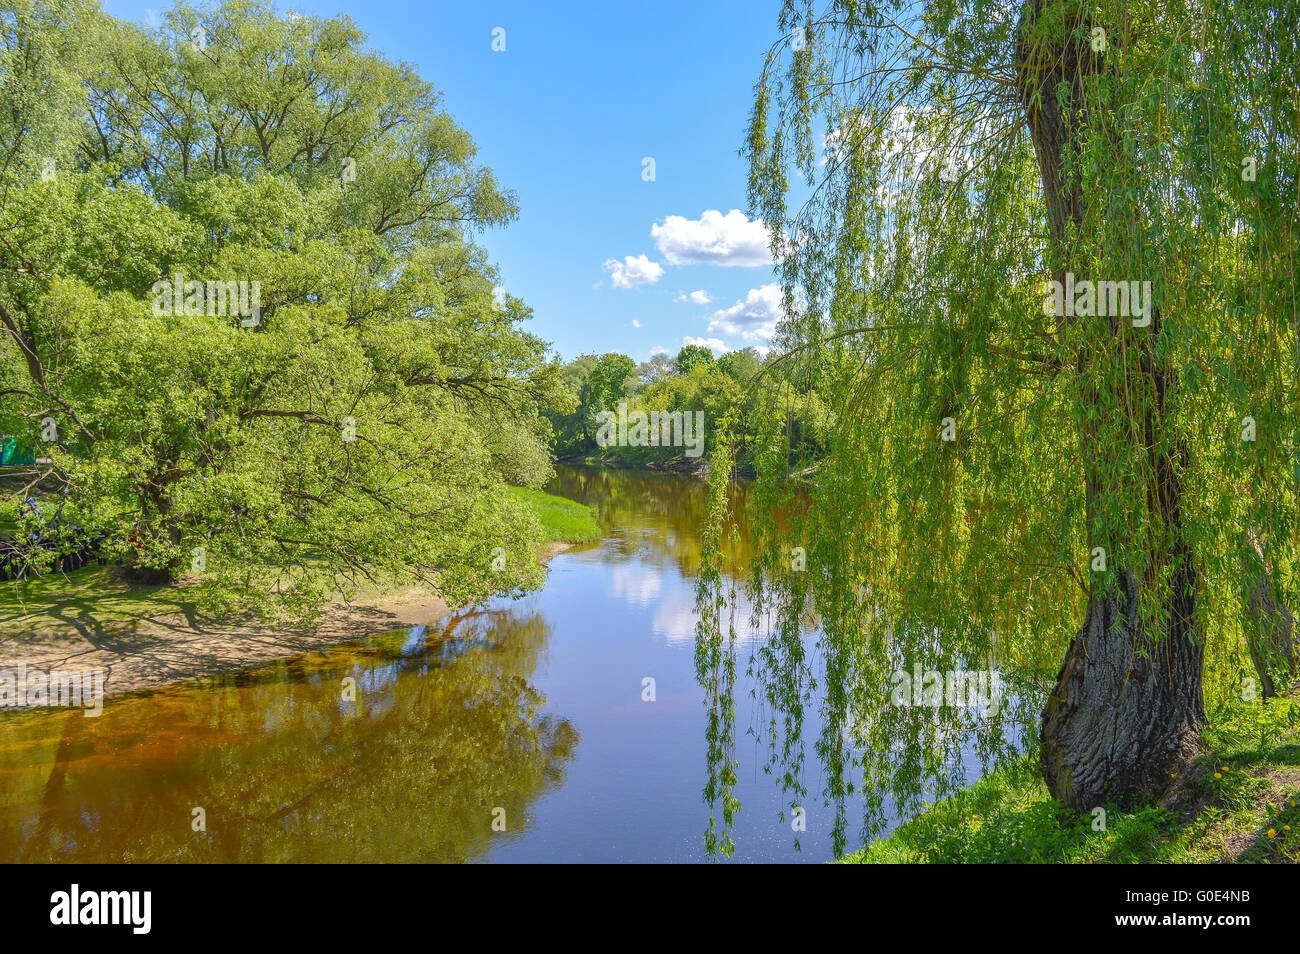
(162, 649)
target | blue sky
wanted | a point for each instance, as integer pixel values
(565, 116)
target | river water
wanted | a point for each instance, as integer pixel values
(518, 731)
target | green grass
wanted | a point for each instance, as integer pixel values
(93, 599)
(563, 519)
(1240, 807)
(97, 600)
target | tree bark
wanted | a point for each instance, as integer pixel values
(1126, 712)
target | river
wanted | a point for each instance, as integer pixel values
(523, 730)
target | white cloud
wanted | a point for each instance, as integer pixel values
(713, 344)
(754, 319)
(713, 239)
(913, 139)
(635, 323)
(697, 297)
(632, 272)
(838, 143)
(637, 584)
(658, 349)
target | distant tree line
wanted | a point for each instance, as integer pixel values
(692, 381)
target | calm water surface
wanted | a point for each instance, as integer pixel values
(532, 706)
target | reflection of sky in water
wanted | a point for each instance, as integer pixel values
(637, 583)
(642, 584)
(535, 704)
(619, 612)
(671, 598)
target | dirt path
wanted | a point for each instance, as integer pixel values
(160, 647)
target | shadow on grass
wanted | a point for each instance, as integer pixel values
(1277, 839)
(155, 628)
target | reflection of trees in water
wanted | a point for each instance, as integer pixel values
(288, 771)
(877, 759)
(822, 667)
(631, 502)
(828, 688)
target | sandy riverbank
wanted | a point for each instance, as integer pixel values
(160, 648)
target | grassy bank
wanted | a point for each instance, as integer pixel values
(95, 598)
(151, 636)
(564, 520)
(1240, 807)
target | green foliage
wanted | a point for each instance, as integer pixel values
(967, 451)
(1008, 817)
(713, 388)
(692, 355)
(659, 366)
(367, 426)
(742, 366)
(606, 385)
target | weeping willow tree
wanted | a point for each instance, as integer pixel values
(1094, 494)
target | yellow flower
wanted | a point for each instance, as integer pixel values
(1223, 769)
(1217, 775)
(1272, 833)
(1286, 827)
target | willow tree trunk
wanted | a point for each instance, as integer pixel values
(1126, 712)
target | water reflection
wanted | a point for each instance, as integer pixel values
(486, 710)
(650, 517)
(446, 727)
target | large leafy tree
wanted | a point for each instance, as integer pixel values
(1004, 485)
(365, 426)
(692, 355)
(606, 385)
